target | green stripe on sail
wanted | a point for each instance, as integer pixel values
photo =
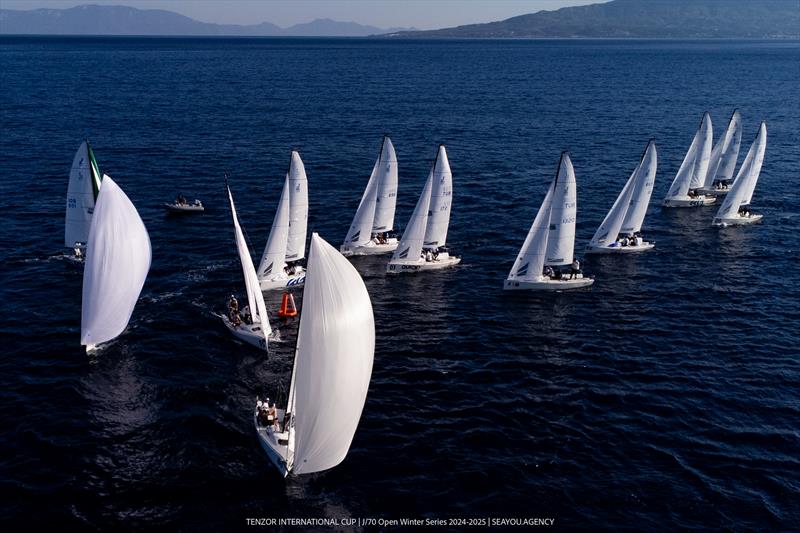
(96, 176)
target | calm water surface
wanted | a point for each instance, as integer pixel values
(665, 397)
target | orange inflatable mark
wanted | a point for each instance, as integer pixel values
(288, 309)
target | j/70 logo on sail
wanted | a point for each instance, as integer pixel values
(296, 281)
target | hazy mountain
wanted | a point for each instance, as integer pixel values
(123, 20)
(750, 19)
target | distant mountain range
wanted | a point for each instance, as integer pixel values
(123, 20)
(655, 19)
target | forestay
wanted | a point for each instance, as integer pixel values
(440, 202)
(274, 256)
(561, 231)
(333, 366)
(255, 299)
(410, 247)
(118, 258)
(298, 208)
(722, 161)
(82, 191)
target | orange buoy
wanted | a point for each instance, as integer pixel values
(288, 309)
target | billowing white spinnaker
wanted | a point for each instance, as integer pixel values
(645, 179)
(722, 161)
(118, 256)
(274, 256)
(255, 299)
(298, 209)
(386, 197)
(561, 232)
(741, 192)
(692, 171)
(82, 191)
(440, 203)
(530, 260)
(333, 365)
(411, 242)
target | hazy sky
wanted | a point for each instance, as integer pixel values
(423, 14)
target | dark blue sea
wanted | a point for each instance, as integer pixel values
(665, 397)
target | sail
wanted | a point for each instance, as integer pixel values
(724, 155)
(530, 261)
(386, 197)
(609, 229)
(741, 191)
(758, 159)
(360, 231)
(255, 299)
(410, 247)
(274, 256)
(118, 258)
(441, 198)
(298, 209)
(561, 231)
(698, 151)
(333, 365)
(84, 185)
(645, 178)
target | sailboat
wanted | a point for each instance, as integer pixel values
(551, 240)
(735, 209)
(422, 246)
(619, 232)
(118, 256)
(331, 371)
(722, 161)
(256, 330)
(374, 218)
(279, 267)
(82, 191)
(692, 172)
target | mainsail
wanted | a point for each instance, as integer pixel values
(298, 208)
(386, 198)
(645, 178)
(333, 361)
(561, 231)
(692, 171)
(722, 161)
(741, 192)
(118, 258)
(82, 191)
(440, 203)
(255, 299)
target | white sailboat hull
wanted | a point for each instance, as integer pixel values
(444, 260)
(713, 191)
(370, 248)
(295, 280)
(737, 221)
(687, 201)
(184, 208)
(545, 284)
(249, 333)
(268, 439)
(630, 249)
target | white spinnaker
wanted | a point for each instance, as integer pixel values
(255, 299)
(118, 256)
(441, 199)
(695, 161)
(386, 198)
(609, 229)
(84, 184)
(645, 178)
(333, 367)
(410, 246)
(360, 231)
(723, 158)
(758, 159)
(298, 209)
(703, 153)
(561, 231)
(530, 261)
(274, 256)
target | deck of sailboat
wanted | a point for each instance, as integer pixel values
(249, 333)
(271, 442)
(546, 284)
(369, 248)
(620, 249)
(737, 221)
(688, 201)
(443, 261)
(282, 282)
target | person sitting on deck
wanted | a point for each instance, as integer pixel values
(575, 268)
(435, 254)
(246, 315)
(428, 257)
(180, 200)
(692, 193)
(548, 272)
(233, 311)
